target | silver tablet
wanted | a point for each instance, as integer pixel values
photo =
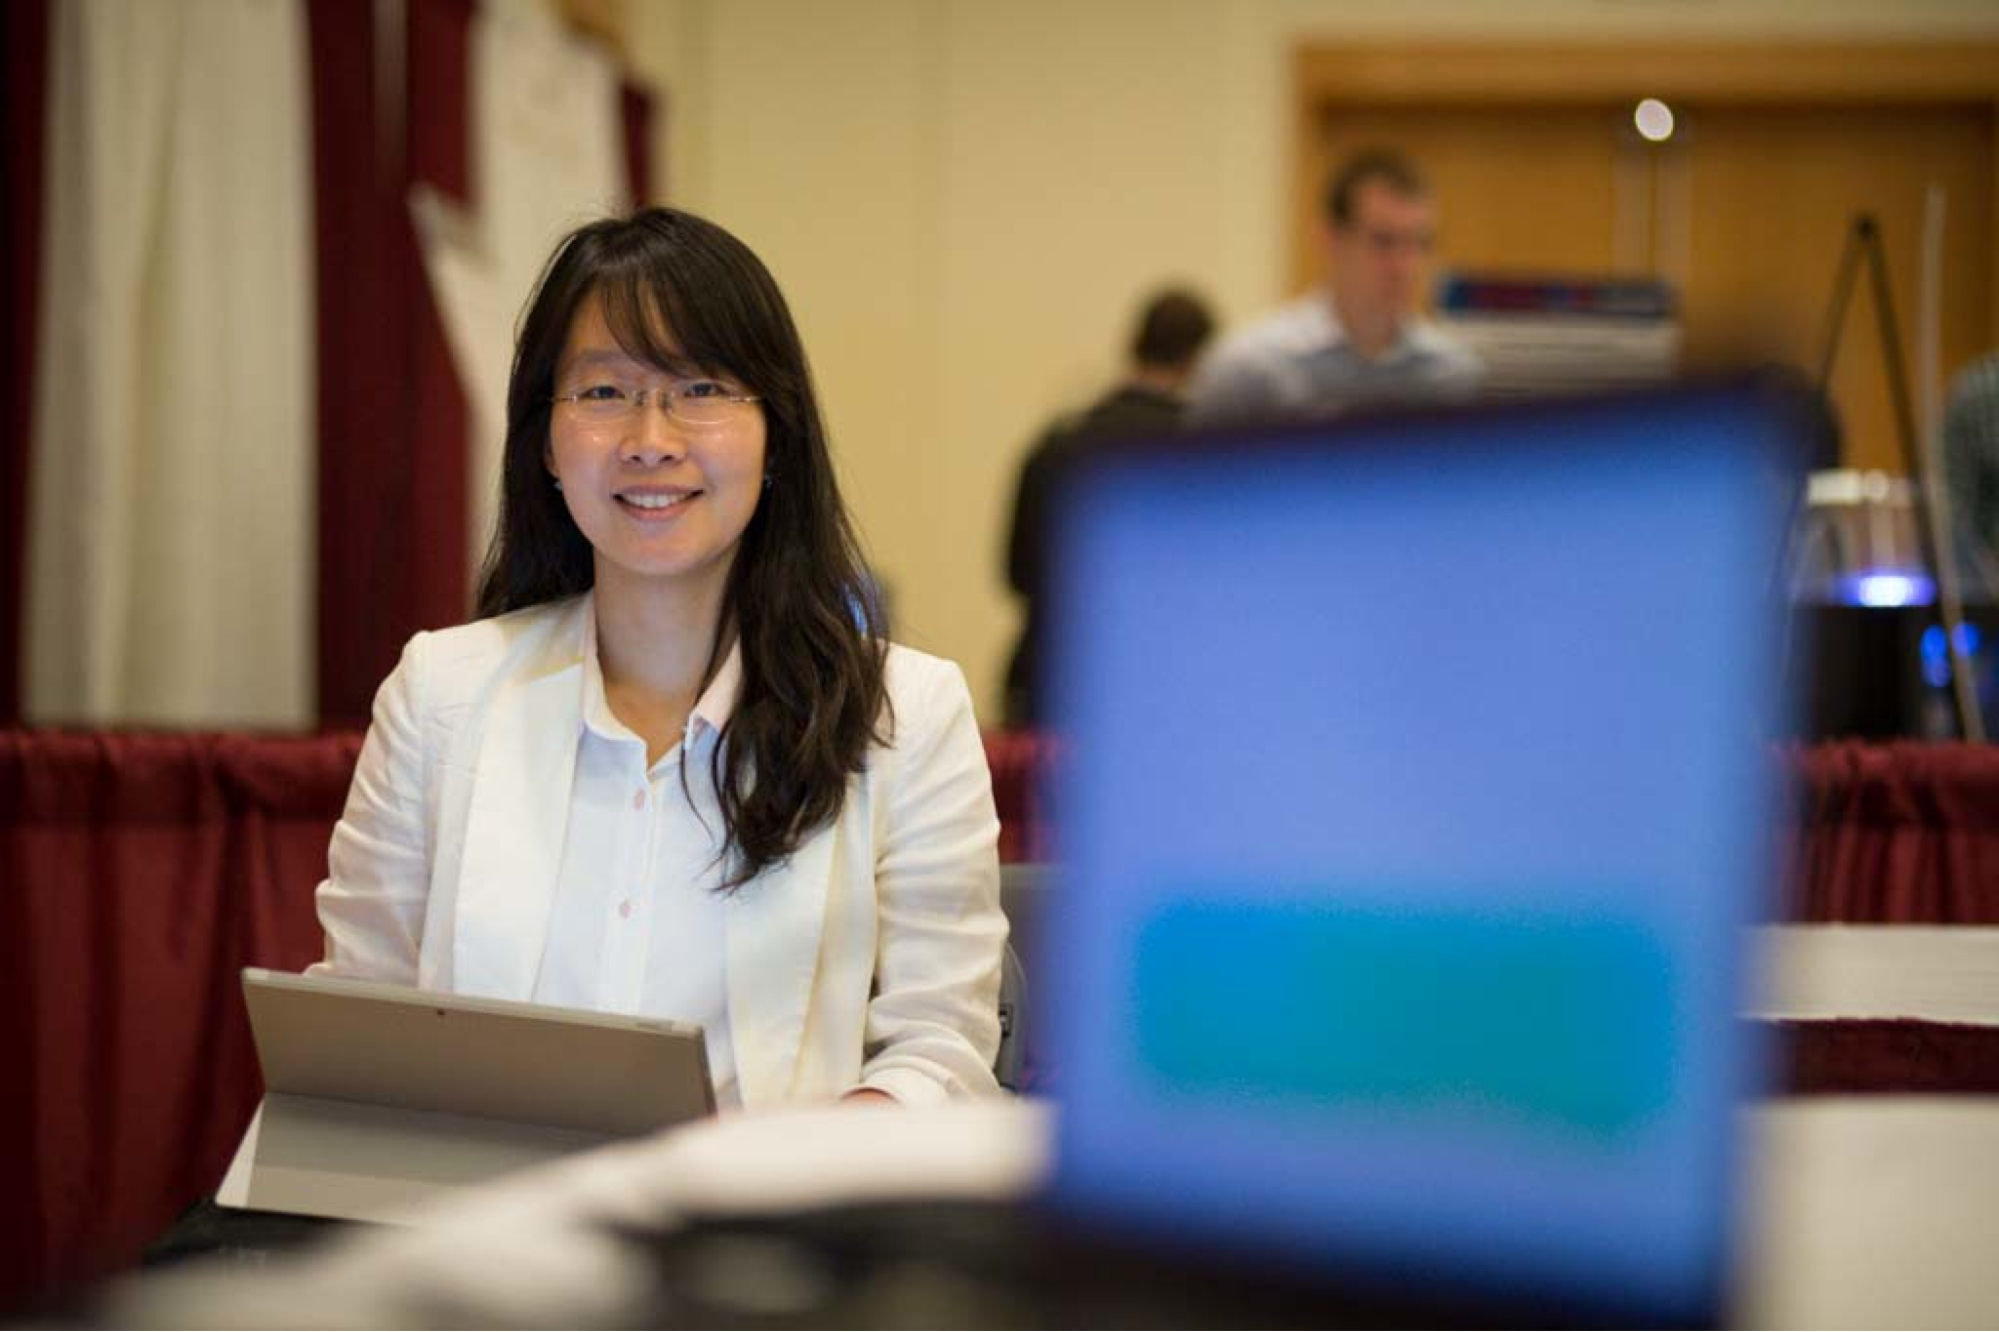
(378, 1096)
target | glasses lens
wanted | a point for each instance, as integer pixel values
(701, 412)
(599, 406)
(704, 402)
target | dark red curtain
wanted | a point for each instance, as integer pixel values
(635, 107)
(1888, 1055)
(1022, 763)
(389, 111)
(141, 873)
(1896, 832)
(24, 41)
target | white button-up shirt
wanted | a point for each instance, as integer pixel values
(637, 925)
(1299, 363)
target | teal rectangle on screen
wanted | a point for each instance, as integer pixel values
(1553, 1023)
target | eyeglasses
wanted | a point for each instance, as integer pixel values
(697, 402)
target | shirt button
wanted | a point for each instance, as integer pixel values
(639, 798)
(625, 909)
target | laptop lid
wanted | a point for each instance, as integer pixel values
(392, 1045)
(381, 1098)
(1416, 804)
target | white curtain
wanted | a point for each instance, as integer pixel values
(546, 155)
(171, 531)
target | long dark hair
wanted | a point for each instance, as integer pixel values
(811, 627)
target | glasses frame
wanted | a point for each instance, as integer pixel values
(670, 400)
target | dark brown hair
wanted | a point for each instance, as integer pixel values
(1172, 329)
(1388, 166)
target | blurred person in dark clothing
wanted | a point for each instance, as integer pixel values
(1148, 402)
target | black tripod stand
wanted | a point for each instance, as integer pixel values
(1863, 241)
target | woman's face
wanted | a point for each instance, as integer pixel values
(660, 501)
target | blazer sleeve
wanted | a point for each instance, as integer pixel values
(933, 1021)
(372, 902)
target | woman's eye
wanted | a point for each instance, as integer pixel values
(601, 393)
(697, 389)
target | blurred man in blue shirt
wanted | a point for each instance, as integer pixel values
(1360, 339)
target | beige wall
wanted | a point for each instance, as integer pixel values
(963, 201)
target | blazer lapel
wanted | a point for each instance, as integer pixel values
(773, 929)
(514, 835)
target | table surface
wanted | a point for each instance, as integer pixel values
(1936, 973)
(1864, 1212)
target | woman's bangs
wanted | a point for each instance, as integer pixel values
(652, 324)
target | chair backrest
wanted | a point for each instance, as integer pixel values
(1011, 1057)
(1022, 890)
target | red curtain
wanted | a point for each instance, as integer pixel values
(1022, 763)
(1896, 832)
(635, 110)
(141, 873)
(1888, 1055)
(389, 111)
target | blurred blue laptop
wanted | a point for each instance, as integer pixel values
(1416, 798)
(1418, 795)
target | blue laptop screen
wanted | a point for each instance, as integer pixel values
(1416, 798)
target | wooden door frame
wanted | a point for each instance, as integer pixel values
(1327, 75)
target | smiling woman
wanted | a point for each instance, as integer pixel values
(676, 769)
(663, 499)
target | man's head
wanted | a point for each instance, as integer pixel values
(1380, 225)
(1172, 329)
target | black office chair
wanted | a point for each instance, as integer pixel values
(1021, 888)
(1009, 1060)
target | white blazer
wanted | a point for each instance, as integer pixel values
(871, 958)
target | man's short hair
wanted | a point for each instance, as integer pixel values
(1172, 329)
(1384, 165)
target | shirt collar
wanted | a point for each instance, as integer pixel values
(711, 711)
(1321, 330)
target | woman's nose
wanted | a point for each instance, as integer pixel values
(651, 435)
